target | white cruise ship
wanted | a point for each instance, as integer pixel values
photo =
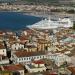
(51, 24)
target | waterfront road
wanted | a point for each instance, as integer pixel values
(52, 14)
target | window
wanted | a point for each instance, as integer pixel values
(19, 59)
(34, 57)
(21, 73)
(27, 58)
(24, 58)
(43, 56)
(40, 56)
(15, 48)
(3, 50)
(37, 57)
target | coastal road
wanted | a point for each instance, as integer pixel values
(52, 15)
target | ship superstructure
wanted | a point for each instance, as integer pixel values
(51, 23)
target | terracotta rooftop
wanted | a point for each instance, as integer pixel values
(22, 38)
(11, 38)
(13, 67)
(39, 62)
(2, 46)
(28, 54)
(72, 69)
(50, 73)
(2, 33)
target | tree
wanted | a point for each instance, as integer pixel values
(64, 65)
(74, 26)
(71, 11)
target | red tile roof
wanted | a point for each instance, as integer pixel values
(11, 38)
(72, 69)
(22, 38)
(2, 46)
(13, 67)
(28, 54)
(2, 33)
(50, 73)
(39, 62)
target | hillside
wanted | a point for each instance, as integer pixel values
(50, 2)
(45, 2)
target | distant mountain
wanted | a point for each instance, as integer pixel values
(47, 2)
(42, 1)
(50, 1)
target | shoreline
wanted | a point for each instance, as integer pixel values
(52, 15)
(46, 15)
(42, 16)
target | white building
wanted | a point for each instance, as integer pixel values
(14, 68)
(36, 66)
(26, 57)
(58, 58)
(4, 60)
(3, 50)
(17, 46)
(72, 60)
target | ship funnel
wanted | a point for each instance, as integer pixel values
(59, 19)
(49, 19)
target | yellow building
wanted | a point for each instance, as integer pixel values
(5, 73)
(43, 44)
